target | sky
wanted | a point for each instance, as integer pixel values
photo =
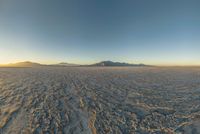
(156, 32)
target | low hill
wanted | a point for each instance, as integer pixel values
(34, 64)
(64, 64)
(22, 64)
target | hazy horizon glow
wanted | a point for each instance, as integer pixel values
(141, 31)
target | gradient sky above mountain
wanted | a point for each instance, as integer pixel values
(162, 32)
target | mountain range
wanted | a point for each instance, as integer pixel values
(64, 64)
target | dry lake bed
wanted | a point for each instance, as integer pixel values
(100, 100)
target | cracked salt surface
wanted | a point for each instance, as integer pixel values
(99, 100)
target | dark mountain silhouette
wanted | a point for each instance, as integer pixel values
(111, 63)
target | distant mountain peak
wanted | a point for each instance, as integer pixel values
(111, 63)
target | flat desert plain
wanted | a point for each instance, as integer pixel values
(100, 100)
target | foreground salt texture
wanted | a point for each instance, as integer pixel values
(99, 100)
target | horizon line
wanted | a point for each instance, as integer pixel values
(156, 65)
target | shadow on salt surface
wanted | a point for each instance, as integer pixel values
(189, 128)
(7, 113)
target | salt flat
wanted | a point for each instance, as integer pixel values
(100, 100)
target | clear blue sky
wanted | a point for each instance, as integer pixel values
(163, 32)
